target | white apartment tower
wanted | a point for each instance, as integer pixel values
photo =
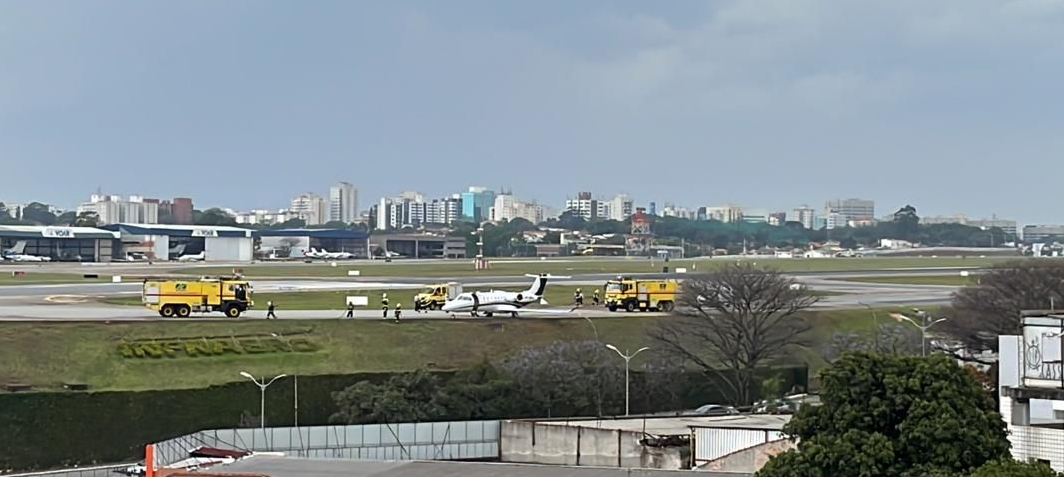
(343, 203)
(620, 207)
(804, 215)
(311, 208)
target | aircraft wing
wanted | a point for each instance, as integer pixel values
(546, 311)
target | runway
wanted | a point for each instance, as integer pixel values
(77, 302)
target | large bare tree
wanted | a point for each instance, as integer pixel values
(735, 320)
(978, 314)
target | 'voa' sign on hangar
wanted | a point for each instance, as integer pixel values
(1042, 351)
(57, 232)
(204, 233)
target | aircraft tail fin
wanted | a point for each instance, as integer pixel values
(18, 249)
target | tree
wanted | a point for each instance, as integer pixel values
(38, 213)
(566, 378)
(906, 223)
(408, 397)
(86, 219)
(213, 216)
(978, 314)
(893, 416)
(1012, 468)
(890, 338)
(569, 220)
(736, 319)
(480, 392)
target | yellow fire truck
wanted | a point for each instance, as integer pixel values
(434, 296)
(632, 294)
(180, 298)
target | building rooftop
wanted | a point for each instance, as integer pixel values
(680, 425)
(315, 233)
(40, 231)
(180, 230)
(278, 466)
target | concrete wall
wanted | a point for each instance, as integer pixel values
(530, 442)
(749, 460)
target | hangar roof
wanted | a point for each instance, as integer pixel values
(316, 233)
(39, 231)
(281, 466)
(180, 230)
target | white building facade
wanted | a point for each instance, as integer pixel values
(1031, 389)
(803, 214)
(852, 212)
(343, 203)
(113, 209)
(311, 208)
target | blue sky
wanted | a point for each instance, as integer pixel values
(952, 105)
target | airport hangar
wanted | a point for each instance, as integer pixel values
(418, 245)
(68, 244)
(168, 242)
(299, 241)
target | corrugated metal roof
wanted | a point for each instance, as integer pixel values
(276, 466)
(180, 230)
(41, 231)
(316, 233)
(681, 425)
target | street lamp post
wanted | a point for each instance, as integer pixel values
(925, 316)
(262, 388)
(627, 359)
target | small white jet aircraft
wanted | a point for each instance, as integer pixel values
(199, 257)
(327, 255)
(499, 301)
(15, 254)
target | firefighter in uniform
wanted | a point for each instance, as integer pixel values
(351, 310)
(578, 297)
(384, 305)
(595, 297)
(398, 311)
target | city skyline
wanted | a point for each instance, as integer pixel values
(761, 102)
(323, 210)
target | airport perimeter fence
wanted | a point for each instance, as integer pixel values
(453, 440)
(98, 471)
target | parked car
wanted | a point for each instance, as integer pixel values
(714, 410)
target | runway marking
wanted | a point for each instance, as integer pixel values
(66, 299)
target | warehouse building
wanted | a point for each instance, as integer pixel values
(294, 243)
(59, 244)
(172, 242)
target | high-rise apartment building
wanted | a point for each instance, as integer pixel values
(343, 203)
(444, 211)
(619, 208)
(727, 214)
(585, 206)
(311, 208)
(181, 210)
(113, 209)
(851, 212)
(508, 208)
(803, 214)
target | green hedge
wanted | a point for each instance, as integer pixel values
(50, 430)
